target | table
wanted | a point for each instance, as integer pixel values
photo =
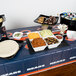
(25, 63)
(67, 70)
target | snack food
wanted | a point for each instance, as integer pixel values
(51, 40)
(8, 48)
(51, 20)
(45, 33)
(59, 37)
(41, 19)
(1, 20)
(17, 35)
(33, 35)
(37, 42)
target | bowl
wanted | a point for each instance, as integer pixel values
(51, 46)
(40, 48)
(36, 49)
(18, 35)
(59, 37)
(71, 34)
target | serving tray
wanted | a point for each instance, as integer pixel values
(31, 50)
(36, 20)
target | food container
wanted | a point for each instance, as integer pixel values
(51, 46)
(18, 35)
(71, 34)
(46, 33)
(33, 35)
(37, 49)
(40, 48)
(44, 17)
(59, 37)
(71, 23)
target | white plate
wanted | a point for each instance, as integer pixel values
(8, 48)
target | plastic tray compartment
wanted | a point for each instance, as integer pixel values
(53, 45)
(37, 49)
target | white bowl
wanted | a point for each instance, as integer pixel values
(71, 34)
(37, 49)
(60, 39)
(19, 37)
(53, 45)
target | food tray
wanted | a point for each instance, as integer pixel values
(41, 48)
(33, 32)
(44, 19)
(53, 45)
(31, 50)
(37, 49)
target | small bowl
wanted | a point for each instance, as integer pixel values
(71, 34)
(60, 39)
(17, 37)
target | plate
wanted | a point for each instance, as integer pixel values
(13, 52)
